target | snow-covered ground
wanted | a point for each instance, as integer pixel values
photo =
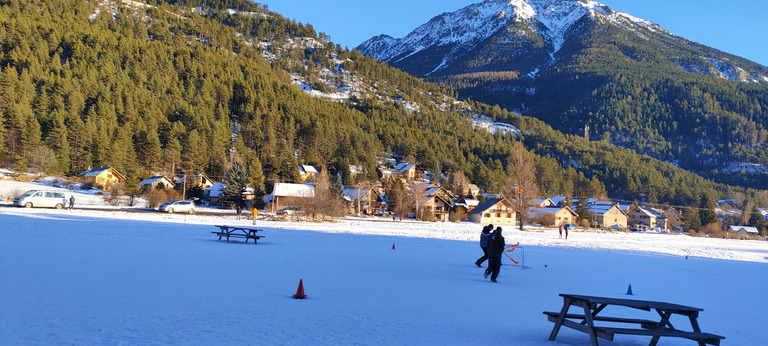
(111, 277)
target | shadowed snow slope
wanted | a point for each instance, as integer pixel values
(89, 277)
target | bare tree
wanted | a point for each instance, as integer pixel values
(323, 203)
(418, 198)
(521, 171)
(361, 188)
(460, 183)
(42, 159)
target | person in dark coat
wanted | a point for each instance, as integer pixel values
(495, 250)
(71, 202)
(484, 237)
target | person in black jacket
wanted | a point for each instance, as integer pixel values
(495, 250)
(484, 237)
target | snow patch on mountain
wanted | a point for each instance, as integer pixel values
(463, 29)
(480, 121)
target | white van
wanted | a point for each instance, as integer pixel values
(36, 198)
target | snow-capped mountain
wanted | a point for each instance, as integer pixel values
(578, 63)
(484, 35)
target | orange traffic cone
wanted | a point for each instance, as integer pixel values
(300, 291)
(393, 246)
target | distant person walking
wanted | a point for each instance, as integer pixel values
(495, 250)
(254, 214)
(567, 227)
(71, 202)
(561, 231)
(238, 210)
(485, 236)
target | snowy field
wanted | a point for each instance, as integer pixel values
(86, 277)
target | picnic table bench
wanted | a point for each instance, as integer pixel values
(238, 232)
(592, 306)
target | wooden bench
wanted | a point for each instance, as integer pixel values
(238, 232)
(592, 306)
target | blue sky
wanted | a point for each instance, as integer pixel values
(738, 27)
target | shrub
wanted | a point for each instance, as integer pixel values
(547, 220)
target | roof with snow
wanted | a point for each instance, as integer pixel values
(154, 180)
(541, 201)
(99, 170)
(557, 199)
(294, 190)
(533, 211)
(216, 190)
(648, 212)
(744, 229)
(486, 205)
(404, 166)
(306, 169)
(601, 208)
(352, 193)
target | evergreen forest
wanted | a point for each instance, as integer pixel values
(188, 86)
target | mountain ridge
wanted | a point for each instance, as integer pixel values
(578, 63)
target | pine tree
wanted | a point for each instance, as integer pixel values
(255, 174)
(707, 210)
(235, 182)
(172, 155)
(691, 218)
(757, 220)
(337, 185)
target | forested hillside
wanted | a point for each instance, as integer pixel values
(150, 89)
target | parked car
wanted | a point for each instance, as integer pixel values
(178, 206)
(36, 198)
(288, 211)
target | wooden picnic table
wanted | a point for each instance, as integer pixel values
(238, 232)
(593, 306)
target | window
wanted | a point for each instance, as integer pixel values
(487, 215)
(498, 214)
(509, 216)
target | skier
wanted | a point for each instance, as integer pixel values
(495, 249)
(484, 237)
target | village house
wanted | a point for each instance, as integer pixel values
(641, 217)
(366, 200)
(214, 193)
(437, 200)
(196, 178)
(287, 194)
(562, 215)
(308, 173)
(466, 204)
(406, 170)
(471, 191)
(541, 203)
(157, 182)
(744, 230)
(674, 219)
(102, 176)
(497, 211)
(559, 200)
(606, 215)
